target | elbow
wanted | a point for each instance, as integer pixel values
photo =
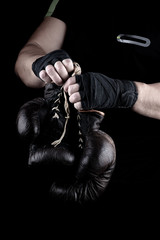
(26, 74)
(19, 69)
(16, 67)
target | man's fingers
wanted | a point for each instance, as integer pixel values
(54, 75)
(75, 97)
(73, 88)
(70, 81)
(57, 73)
(44, 76)
(61, 70)
(78, 106)
(68, 65)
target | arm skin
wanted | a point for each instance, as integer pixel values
(147, 104)
(49, 36)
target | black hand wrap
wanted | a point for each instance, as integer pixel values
(101, 92)
(50, 58)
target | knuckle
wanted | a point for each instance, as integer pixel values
(42, 74)
(78, 106)
(67, 61)
(69, 82)
(70, 90)
(73, 98)
(68, 64)
(77, 87)
(58, 66)
(49, 69)
(58, 63)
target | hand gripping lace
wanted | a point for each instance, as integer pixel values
(77, 70)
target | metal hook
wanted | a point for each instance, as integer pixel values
(134, 39)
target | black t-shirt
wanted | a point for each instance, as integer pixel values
(92, 40)
(93, 28)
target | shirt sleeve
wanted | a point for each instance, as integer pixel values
(51, 8)
(62, 9)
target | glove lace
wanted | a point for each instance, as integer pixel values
(56, 108)
(67, 110)
(80, 145)
(77, 70)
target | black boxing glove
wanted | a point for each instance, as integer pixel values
(95, 165)
(30, 117)
(43, 122)
(50, 58)
(101, 92)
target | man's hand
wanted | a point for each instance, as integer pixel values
(54, 67)
(72, 87)
(57, 73)
(97, 91)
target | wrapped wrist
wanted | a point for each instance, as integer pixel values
(102, 92)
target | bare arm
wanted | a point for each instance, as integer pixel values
(48, 37)
(148, 102)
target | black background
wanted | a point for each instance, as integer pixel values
(130, 206)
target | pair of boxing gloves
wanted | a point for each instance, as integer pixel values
(82, 157)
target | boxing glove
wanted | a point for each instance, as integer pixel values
(95, 162)
(43, 122)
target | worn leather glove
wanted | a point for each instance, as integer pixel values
(95, 162)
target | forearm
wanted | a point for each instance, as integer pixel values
(23, 66)
(148, 102)
(48, 36)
